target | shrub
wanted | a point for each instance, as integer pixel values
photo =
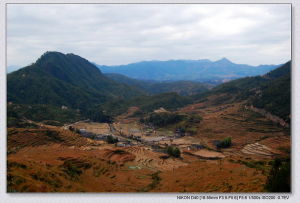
(71, 128)
(162, 119)
(279, 178)
(225, 143)
(111, 140)
(75, 167)
(173, 151)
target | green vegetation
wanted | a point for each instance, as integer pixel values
(225, 143)
(260, 165)
(279, 179)
(189, 124)
(16, 113)
(48, 178)
(155, 181)
(270, 92)
(19, 123)
(112, 140)
(275, 95)
(98, 115)
(173, 151)
(183, 88)
(181, 123)
(58, 84)
(162, 119)
(54, 136)
(169, 101)
(75, 167)
(60, 88)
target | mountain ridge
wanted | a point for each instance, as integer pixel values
(58, 79)
(270, 91)
(202, 70)
(182, 87)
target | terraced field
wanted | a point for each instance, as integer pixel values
(146, 158)
(258, 149)
(52, 159)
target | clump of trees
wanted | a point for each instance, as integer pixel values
(279, 179)
(173, 151)
(225, 143)
(162, 119)
(181, 122)
(112, 140)
(98, 115)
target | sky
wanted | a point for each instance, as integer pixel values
(115, 34)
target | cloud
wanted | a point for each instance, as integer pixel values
(123, 33)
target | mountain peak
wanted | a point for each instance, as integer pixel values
(48, 55)
(51, 53)
(224, 61)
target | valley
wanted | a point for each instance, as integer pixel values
(138, 162)
(82, 131)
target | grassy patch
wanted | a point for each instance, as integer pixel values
(259, 165)
(75, 167)
(285, 149)
(155, 181)
(48, 178)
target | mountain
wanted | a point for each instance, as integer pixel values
(271, 91)
(192, 70)
(64, 80)
(183, 88)
(275, 94)
(170, 101)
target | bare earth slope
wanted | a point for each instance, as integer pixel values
(54, 159)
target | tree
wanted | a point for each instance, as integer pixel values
(173, 151)
(226, 142)
(111, 140)
(279, 178)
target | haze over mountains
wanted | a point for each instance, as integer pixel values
(193, 70)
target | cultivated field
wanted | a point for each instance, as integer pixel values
(52, 159)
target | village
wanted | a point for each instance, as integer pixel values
(140, 135)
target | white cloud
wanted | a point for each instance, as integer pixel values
(121, 34)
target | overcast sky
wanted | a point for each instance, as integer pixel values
(121, 34)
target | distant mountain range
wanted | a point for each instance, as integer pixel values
(192, 70)
(56, 81)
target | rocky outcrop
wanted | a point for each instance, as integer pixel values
(268, 115)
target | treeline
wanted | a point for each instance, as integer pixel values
(147, 104)
(162, 119)
(98, 113)
(17, 113)
(181, 123)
